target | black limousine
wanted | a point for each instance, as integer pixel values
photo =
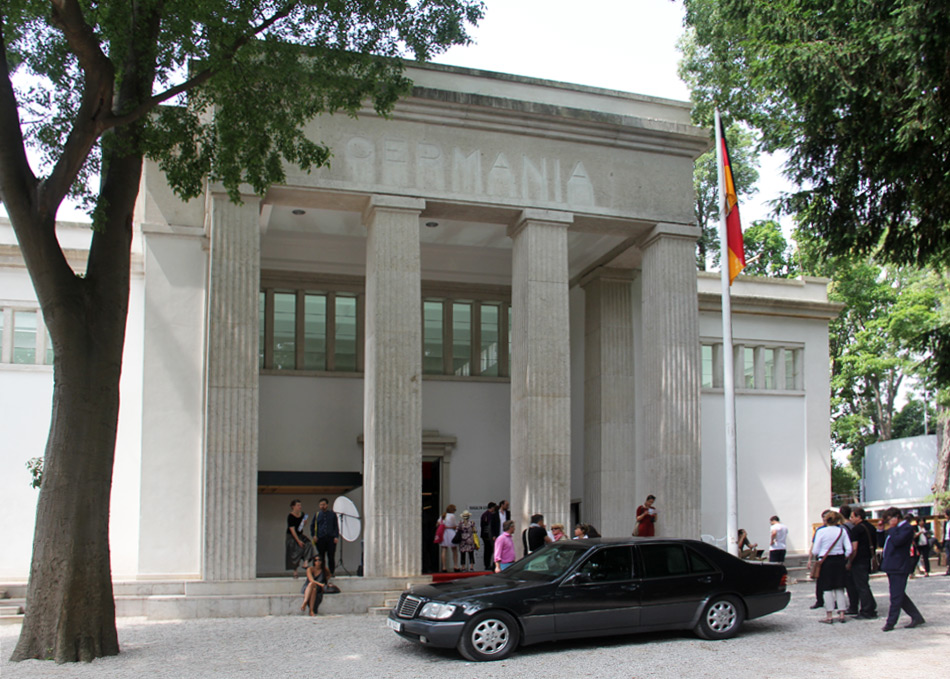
(593, 587)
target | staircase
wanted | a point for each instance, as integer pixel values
(190, 599)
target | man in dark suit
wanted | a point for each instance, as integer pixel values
(489, 518)
(898, 563)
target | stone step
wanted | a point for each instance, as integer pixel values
(6, 609)
(185, 599)
(11, 619)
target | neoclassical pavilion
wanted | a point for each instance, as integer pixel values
(493, 294)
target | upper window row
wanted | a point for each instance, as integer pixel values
(307, 330)
(24, 339)
(769, 367)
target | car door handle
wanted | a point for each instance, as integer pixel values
(707, 579)
(630, 588)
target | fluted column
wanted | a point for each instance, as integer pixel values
(231, 422)
(670, 384)
(540, 369)
(392, 409)
(609, 395)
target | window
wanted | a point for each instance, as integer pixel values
(759, 366)
(320, 329)
(461, 338)
(769, 365)
(433, 340)
(490, 326)
(748, 367)
(285, 331)
(661, 561)
(609, 565)
(315, 332)
(24, 339)
(707, 358)
(698, 563)
(346, 337)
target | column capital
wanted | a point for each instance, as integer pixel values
(391, 204)
(661, 230)
(551, 217)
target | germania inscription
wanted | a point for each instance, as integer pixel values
(471, 172)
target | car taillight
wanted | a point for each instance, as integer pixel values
(784, 581)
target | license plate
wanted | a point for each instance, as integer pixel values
(394, 625)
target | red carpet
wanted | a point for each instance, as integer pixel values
(447, 577)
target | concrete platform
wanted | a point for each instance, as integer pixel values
(192, 599)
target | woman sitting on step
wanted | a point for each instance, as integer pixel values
(318, 577)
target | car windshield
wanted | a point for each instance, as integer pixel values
(546, 564)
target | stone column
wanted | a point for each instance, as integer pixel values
(392, 401)
(670, 384)
(540, 369)
(609, 393)
(231, 420)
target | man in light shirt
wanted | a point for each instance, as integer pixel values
(778, 535)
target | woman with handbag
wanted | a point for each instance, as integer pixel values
(466, 537)
(831, 547)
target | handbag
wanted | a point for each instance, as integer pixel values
(457, 538)
(330, 588)
(478, 545)
(816, 569)
(439, 532)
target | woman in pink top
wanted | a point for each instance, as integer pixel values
(504, 547)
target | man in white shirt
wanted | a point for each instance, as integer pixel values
(503, 514)
(778, 535)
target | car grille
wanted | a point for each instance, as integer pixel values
(408, 606)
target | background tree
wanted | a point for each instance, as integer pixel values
(767, 252)
(89, 80)
(858, 93)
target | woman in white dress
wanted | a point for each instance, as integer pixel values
(450, 523)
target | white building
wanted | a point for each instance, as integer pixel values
(490, 295)
(900, 473)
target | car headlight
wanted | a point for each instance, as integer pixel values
(436, 611)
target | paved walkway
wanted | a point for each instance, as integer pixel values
(789, 644)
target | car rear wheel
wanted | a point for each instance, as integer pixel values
(721, 618)
(491, 635)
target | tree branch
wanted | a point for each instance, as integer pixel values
(99, 75)
(17, 181)
(202, 76)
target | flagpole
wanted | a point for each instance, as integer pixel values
(728, 363)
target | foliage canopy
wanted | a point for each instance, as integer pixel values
(858, 93)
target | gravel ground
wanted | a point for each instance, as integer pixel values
(786, 644)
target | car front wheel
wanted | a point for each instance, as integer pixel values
(491, 635)
(721, 618)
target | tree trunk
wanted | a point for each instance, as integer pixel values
(70, 610)
(942, 479)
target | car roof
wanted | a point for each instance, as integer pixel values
(632, 541)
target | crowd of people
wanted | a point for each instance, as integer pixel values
(844, 553)
(459, 539)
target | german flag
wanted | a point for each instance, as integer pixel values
(736, 250)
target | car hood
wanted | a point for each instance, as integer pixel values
(472, 588)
